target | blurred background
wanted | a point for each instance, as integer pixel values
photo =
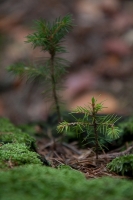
(100, 51)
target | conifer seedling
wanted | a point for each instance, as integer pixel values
(92, 123)
(48, 36)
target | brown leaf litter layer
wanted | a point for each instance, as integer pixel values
(84, 160)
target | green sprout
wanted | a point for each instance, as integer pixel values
(92, 123)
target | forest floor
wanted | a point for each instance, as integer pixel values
(82, 159)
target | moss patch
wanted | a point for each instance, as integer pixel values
(17, 154)
(40, 182)
(122, 165)
(10, 134)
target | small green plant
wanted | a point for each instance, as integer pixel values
(48, 37)
(92, 124)
(122, 165)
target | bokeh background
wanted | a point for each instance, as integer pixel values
(100, 51)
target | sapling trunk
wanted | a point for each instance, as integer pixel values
(94, 123)
(54, 88)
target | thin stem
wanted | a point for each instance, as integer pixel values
(95, 129)
(54, 88)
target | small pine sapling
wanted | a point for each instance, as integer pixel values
(92, 123)
(48, 37)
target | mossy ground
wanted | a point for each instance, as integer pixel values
(16, 154)
(10, 134)
(16, 146)
(41, 182)
(28, 179)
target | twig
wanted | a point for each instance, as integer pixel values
(72, 148)
(114, 155)
(51, 143)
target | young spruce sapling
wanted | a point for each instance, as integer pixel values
(48, 36)
(92, 123)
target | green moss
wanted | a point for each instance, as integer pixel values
(122, 165)
(9, 134)
(40, 182)
(17, 154)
